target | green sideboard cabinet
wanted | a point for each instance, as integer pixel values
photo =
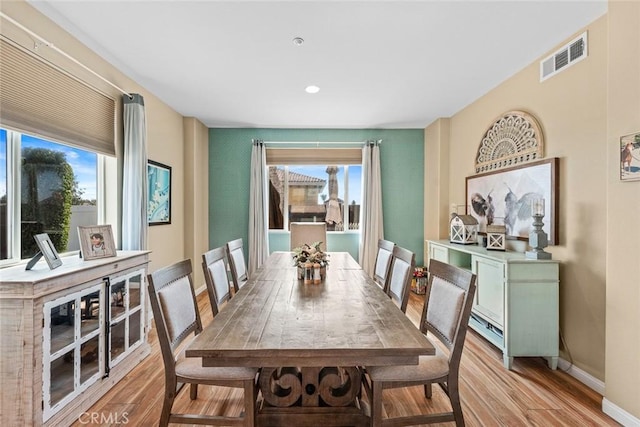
(516, 305)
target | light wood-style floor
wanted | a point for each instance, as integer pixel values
(529, 395)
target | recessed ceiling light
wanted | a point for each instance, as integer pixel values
(312, 89)
(298, 41)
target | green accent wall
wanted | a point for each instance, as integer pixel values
(401, 163)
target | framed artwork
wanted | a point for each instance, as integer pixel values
(630, 157)
(47, 250)
(96, 241)
(504, 197)
(158, 193)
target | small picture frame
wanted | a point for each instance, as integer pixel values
(47, 250)
(96, 241)
(630, 157)
(158, 193)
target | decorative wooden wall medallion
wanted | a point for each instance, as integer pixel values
(513, 139)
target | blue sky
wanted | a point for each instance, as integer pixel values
(82, 162)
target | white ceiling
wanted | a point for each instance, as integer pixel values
(379, 64)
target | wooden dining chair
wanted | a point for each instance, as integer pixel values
(176, 316)
(382, 265)
(309, 233)
(237, 264)
(399, 282)
(214, 266)
(447, 307)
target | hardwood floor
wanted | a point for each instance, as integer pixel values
(529, 395)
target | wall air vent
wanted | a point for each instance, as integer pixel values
(572, 52)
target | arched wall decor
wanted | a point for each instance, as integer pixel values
(514, 138)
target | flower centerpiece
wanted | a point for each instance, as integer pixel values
(310, 253)
(419, 282)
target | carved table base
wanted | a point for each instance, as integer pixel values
(311, 396)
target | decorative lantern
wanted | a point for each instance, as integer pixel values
(463, 229)
(496, 237)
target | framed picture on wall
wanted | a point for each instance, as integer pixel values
(504, 197)
(158, 193)
(630, 157)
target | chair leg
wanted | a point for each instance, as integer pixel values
(427, 391)
(167, 404)
(376, 404)
(454, 397)
(250, 402)
(193, 391)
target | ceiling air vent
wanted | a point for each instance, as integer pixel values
(572, 52)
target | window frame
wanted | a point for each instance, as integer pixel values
(345, 185)
(14, 192)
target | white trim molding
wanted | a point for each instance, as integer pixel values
(585, 378)
(619, 414)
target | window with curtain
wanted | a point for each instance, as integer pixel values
(45, 187)
(315, 185)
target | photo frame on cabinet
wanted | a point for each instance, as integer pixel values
(158, 193)
(630, 157)
(96, 241)
(505, 195)
(47, 250)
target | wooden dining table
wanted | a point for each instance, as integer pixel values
(310, 340)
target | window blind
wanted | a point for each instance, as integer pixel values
(38, 97)
(314, 156)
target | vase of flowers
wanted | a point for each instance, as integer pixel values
(310, 254)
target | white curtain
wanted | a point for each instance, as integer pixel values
(258, 208)
(371, 224)
(134, 174)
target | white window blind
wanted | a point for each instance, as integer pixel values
(314, 156)
(38, 97)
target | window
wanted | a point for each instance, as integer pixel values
(315, 193)
(45, 187)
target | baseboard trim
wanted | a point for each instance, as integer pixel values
(201, 289)
(619, 414)
(585, 378)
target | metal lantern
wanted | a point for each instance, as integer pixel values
(496, 237)
(463, 229)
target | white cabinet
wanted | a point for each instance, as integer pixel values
(69, 335)
(516, 305)
(72, 347)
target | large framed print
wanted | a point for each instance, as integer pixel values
(158, 193)
(504, 197)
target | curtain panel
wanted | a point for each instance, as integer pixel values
(134, 174)
(372, 226)
(258, 208)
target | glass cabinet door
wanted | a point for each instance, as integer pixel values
(72, 346)
(126, 331)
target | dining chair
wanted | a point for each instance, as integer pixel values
(399, 282)
(237, 264)
(214, 266)
(176, 316)
(447, 307)
(309, 233)
(382, 265)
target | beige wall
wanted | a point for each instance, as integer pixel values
(583, 111)
(164, 125)
(622, 373)
(196, 191)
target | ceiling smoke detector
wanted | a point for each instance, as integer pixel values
(298, 41)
